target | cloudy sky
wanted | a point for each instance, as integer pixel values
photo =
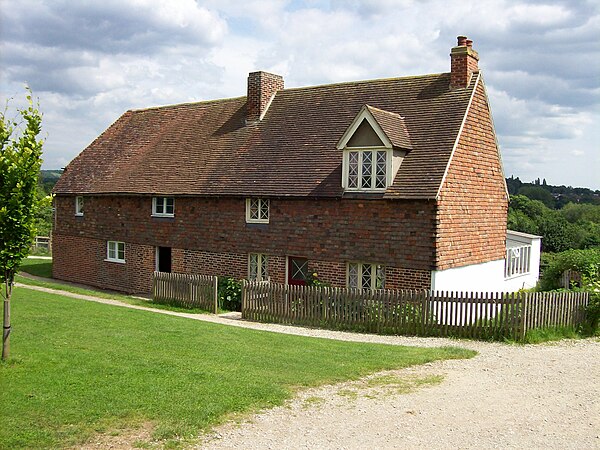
(90, 61)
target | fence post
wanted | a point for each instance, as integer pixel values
(244, 299)
(524, 301)
(216, 293)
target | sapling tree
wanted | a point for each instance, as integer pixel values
(20, 161)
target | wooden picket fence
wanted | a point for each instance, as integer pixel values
(488, 315)
(185, 290)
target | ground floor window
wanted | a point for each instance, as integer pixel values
(115, 251)
(365, 276)
(258, 267)
(297, 270)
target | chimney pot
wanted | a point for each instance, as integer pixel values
(463, 62)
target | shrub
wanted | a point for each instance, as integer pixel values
(229, 292)
(592, 312)
(586, 262)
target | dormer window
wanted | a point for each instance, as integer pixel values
(374, 146)
(367, 169)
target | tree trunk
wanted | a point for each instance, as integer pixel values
(6, 323)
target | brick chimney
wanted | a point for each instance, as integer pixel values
(262, 87)
(463, 62)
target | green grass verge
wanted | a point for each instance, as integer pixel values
(37, 267)
(43, 268)
(79, 368)
(540, 335)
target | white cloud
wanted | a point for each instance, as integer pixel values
(91, 61)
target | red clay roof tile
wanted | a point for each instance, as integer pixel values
(206, 148)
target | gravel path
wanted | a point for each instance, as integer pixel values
(509, 396)
(521, 397)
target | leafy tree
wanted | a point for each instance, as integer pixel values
(43, 215)
(575, 226)
(538, 193)
(20, 161)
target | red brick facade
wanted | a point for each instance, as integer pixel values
(473, 200)
(211, 236)
(83, 260)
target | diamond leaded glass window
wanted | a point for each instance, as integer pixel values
(366, 276)
(258, 267)
(257, 210)
(367, 169)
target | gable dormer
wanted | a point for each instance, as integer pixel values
(373, 146)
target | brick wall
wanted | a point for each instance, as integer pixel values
(83, 260)
(473, 203)
(390, 232)
(210, 236)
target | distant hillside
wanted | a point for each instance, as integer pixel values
(554, 197)
(48, 179)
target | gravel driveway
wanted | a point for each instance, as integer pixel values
(525, 397)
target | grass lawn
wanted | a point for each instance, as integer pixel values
(37, 267)
(79, 368)
(43, 268)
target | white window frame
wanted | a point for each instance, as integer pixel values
(361, 151)
(162, 202)
(517, 261)
(113, 251)
(375, 271)
(79, 204)
(258, 204)
(258, 267)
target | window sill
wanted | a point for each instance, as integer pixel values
(118, 261)
(78, 214)
(257, 221)
(171, 216)
(364, 194)
(516, 275)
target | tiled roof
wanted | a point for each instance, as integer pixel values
(206, 148)
(393, 126)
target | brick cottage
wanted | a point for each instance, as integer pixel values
(393, 183)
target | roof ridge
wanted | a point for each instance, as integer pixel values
(342, 83)
(178, 105)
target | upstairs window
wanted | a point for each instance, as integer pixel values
(374, 146)
(79, 205)
(115, 251)
(366, 276)
(163, 206)
(367, 170)
(258, 267)
(257, 210)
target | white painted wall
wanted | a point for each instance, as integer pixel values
(489, 276)
(484, 277)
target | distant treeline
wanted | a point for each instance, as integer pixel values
(48, 179)
(554, 197)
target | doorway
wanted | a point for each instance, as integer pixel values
(163, 259)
